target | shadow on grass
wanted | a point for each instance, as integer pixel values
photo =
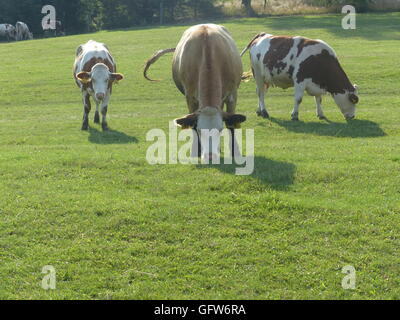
(278, 175)
(374, 26)
(351, 129)
(110, 137)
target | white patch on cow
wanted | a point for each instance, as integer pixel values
(347, 108)
(209, 126)
(100, 76)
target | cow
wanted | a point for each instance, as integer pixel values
(95, 73)
(308, 65)
(207, 69)
(60, 31)
(8, 31)
(23, 32)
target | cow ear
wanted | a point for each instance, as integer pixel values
(117, 77)
(233, 121)
(83, 77)
(353, 98)
(187, 122)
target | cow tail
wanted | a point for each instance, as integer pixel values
(153, 59)
(251, 42)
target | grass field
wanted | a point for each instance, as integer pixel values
(323, 195)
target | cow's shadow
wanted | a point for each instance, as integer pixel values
(109, 137)
(275, 174)
(352, 129)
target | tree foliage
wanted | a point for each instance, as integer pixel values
(90, 15)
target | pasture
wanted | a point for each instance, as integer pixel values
(323, 194)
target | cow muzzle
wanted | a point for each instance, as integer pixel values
(100, 96)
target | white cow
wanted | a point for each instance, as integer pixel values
(95, 73)
(308, 65)
(23, 32)
(8, 31)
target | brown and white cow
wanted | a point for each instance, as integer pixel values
(207, 69)
(95, 73)
(23, 32)
(8, 31)
(308, 65)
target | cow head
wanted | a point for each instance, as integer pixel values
(12, 32)
(100, 79)
(209, 122)
(347, 102)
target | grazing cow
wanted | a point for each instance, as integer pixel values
(308, 65)
(207, 69)
(95, 74)
(23, 32)
(8, 31)
(60, 31)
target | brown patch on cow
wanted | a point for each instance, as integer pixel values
(279, 49)
(254, 41)
(304, 42)
(325, 71)
(258, 56)
(93, 61)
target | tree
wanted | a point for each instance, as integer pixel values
(249, 9)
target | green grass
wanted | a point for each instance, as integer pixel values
(323, 195)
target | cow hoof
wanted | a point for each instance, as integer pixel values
(105, 127)
(322, 118)
(263, 114)
(295, 118)
(97, 118)
(85, 127)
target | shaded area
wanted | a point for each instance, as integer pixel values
(110, 137)
(352, 129)
(376, 26)
(278, 175)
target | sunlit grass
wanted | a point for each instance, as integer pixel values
(323, 195)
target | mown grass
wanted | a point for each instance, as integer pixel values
(323, 195)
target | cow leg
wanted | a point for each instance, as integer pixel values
(262, 88)
(320, 113)
(104, 124)
(192, 104)
(104, 109)
(97, 115)
(298, 98)
(87, 107)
